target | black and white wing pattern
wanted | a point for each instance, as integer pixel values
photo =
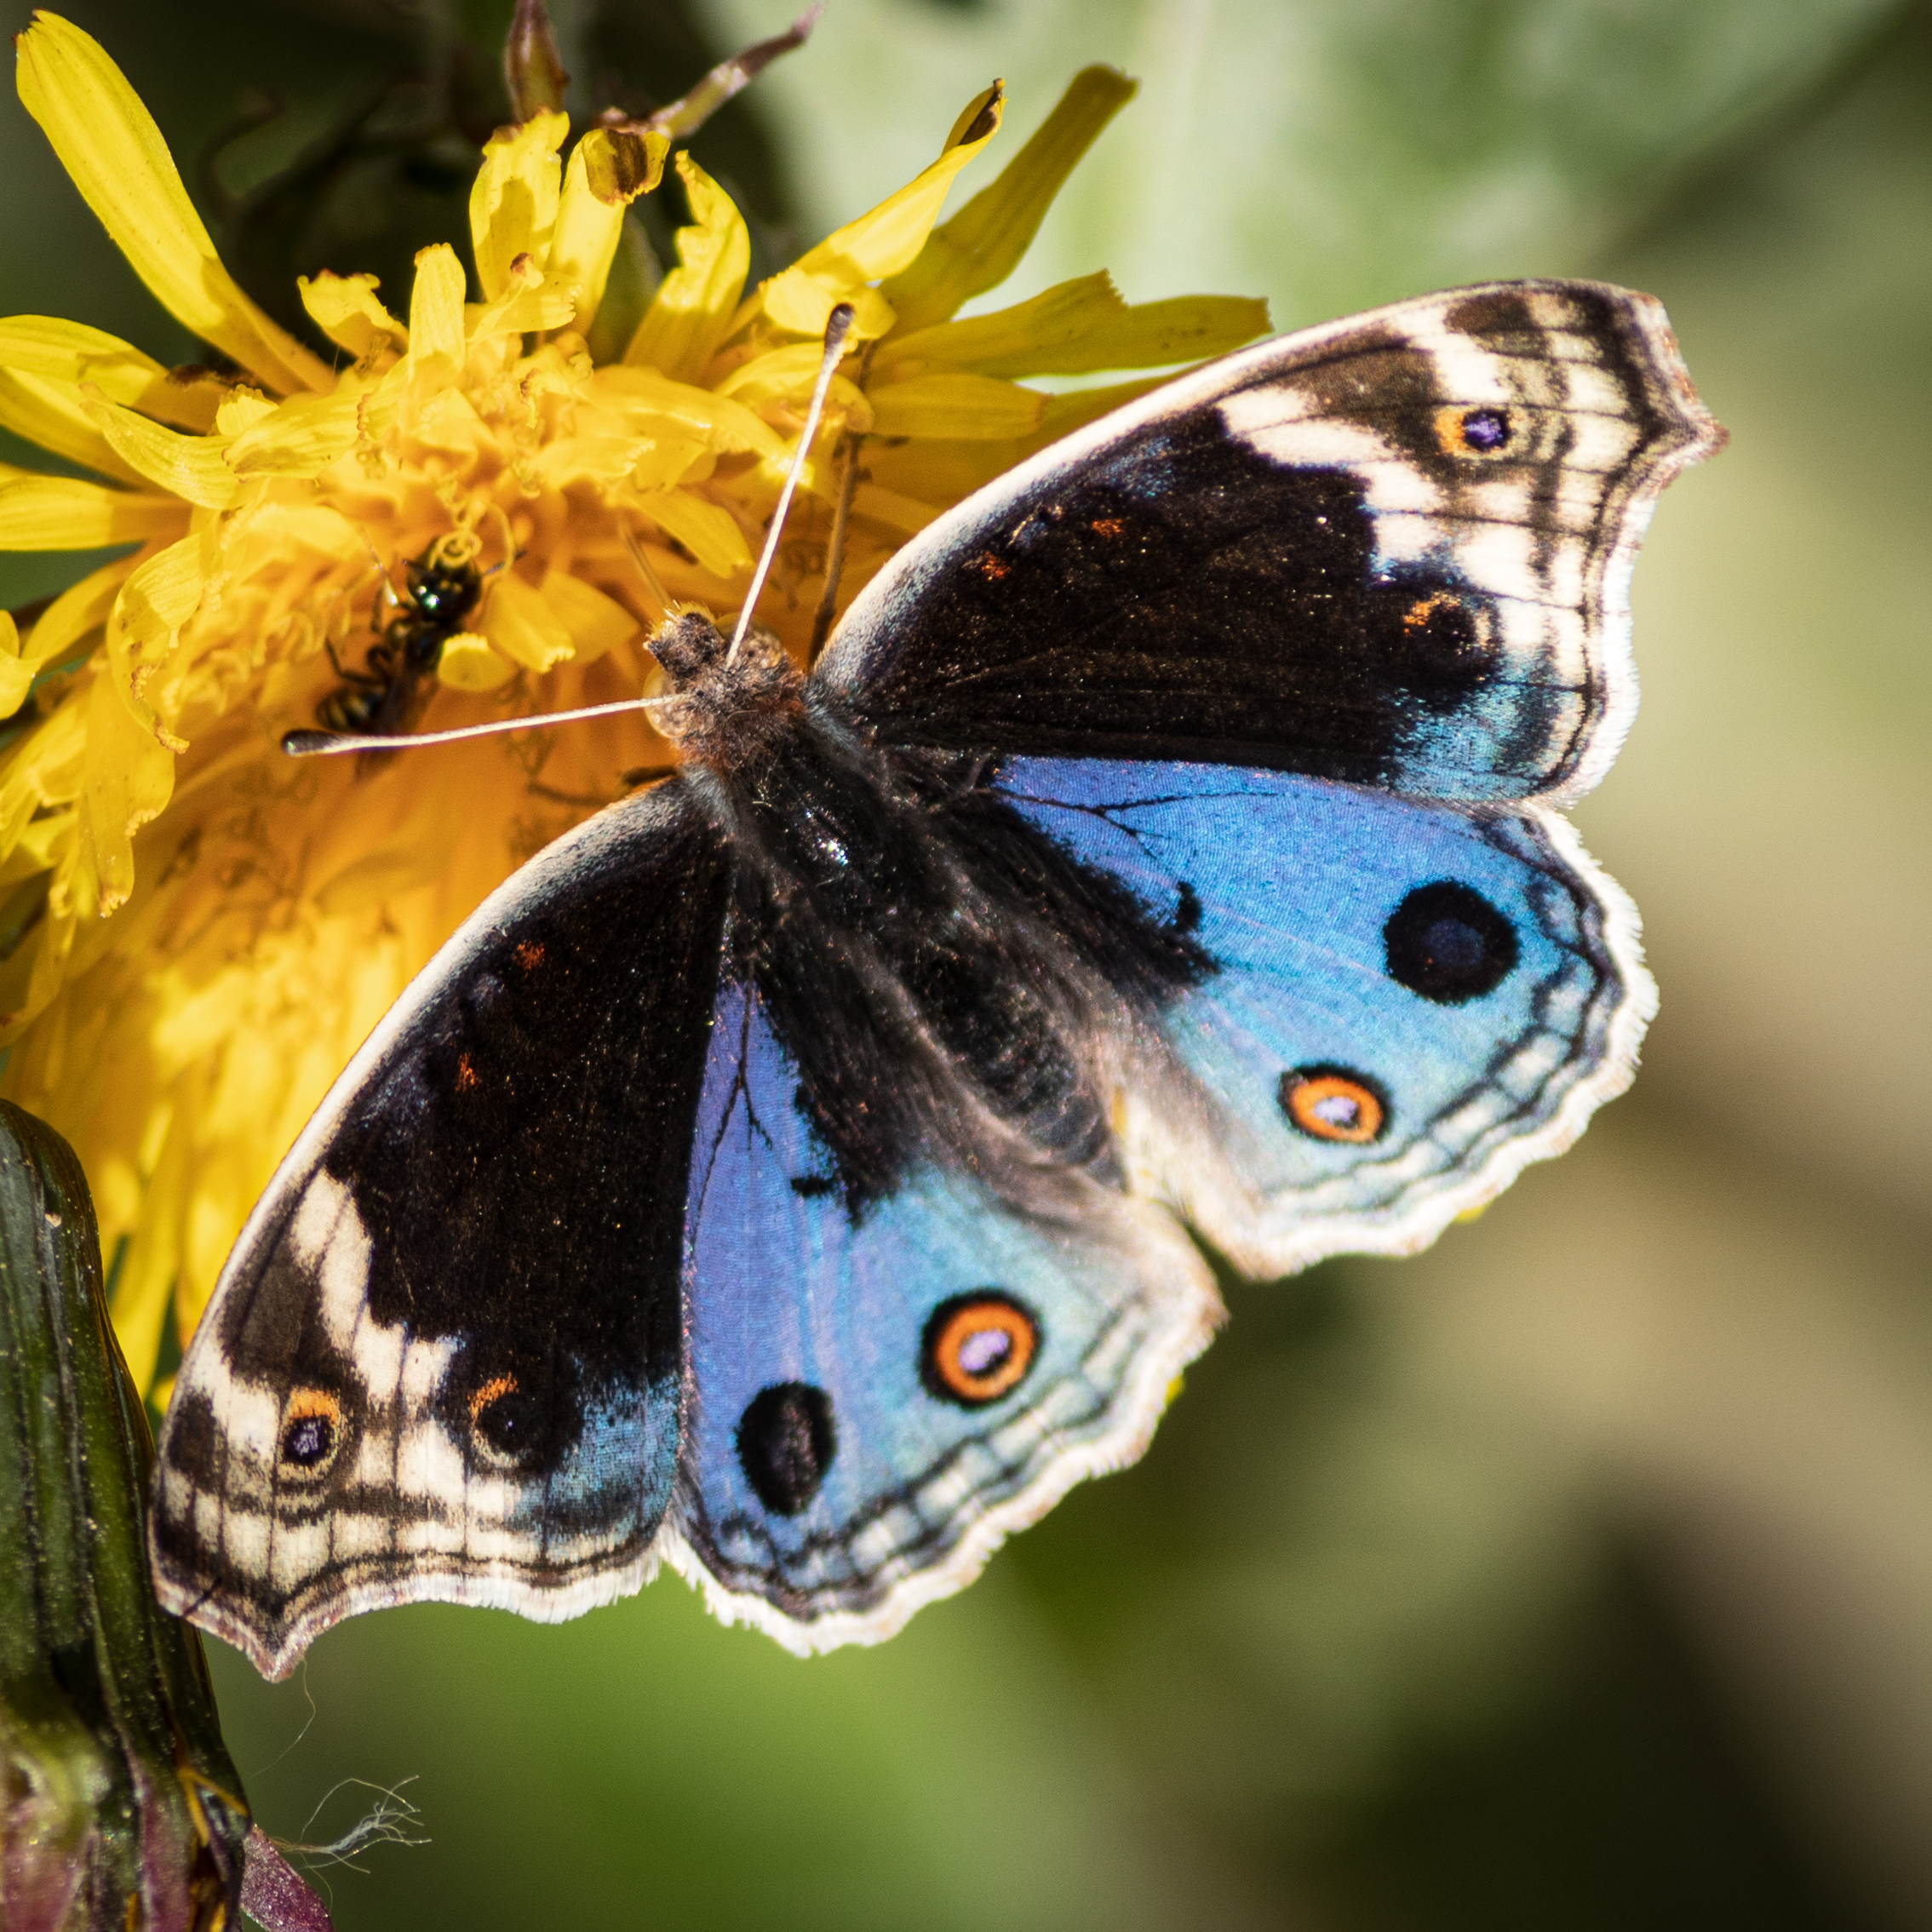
(444, 1358)
(1395, 551)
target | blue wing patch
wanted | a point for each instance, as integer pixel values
(872, 1407)
(1411, 1000)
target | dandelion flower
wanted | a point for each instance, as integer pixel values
(196, 931)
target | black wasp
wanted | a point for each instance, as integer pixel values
(383, 698)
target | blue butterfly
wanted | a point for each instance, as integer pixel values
(789, 1174)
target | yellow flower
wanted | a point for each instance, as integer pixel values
(195, 932)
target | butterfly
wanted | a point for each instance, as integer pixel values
(790, 1175)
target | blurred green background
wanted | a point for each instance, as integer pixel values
(1576, 1574)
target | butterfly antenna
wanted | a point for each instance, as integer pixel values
(838, 326)
(325, 744)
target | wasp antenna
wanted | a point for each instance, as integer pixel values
(838, 326)
(653, 588)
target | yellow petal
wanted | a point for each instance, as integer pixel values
(940, 471)
(513, 206)
(803, 304)
(519, 624)
(608, 169)
(436, 308)
(190, 466)
(1081, 326)
(710, 531)
(108, 142)
(982, 245)
(344, 309)
(77, 610)
(158, 598)
(44, 766)
(970, 408)
(16, 677)
(904, 514)
(887, 239)
(597, 623)
(241, 410)
(654, 404)
(70, 353)
(1046, 323)
(81, 608)
(146, 1281)
(50, 412)
(531, 301)
(469, 663)
(602, 459)
(662, 462)
(130, 778)
(62, 512)
(694, 304)
(301, 437)
(789, 374)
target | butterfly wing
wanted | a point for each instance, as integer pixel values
(874, 1402)
(1394, 551)
(444, 1359)
(1407, 1001)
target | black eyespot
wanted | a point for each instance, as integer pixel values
(521, 1412)
(308, 1440)
(786, 1443)
(1187, 907)
(1485, 429)
(1447, 645)
(508, 1417)
(1447, 942)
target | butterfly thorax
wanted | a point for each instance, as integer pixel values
(935, 964)
(720, 702)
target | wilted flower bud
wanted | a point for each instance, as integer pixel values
(119, 1806)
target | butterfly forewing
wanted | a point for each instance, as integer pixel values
(1394, 551)
(443, 1359)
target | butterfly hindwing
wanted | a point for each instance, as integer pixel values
(1407, 1000)
(1394, 551)
(876, 1398)
(443, 1360)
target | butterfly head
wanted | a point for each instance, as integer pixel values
(712, 694)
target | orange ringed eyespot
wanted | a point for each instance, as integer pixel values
(977, 1348)
(493, 1391)
(465, 1074)
(311, 1424)
(1483, 430)
(1328, 1105)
